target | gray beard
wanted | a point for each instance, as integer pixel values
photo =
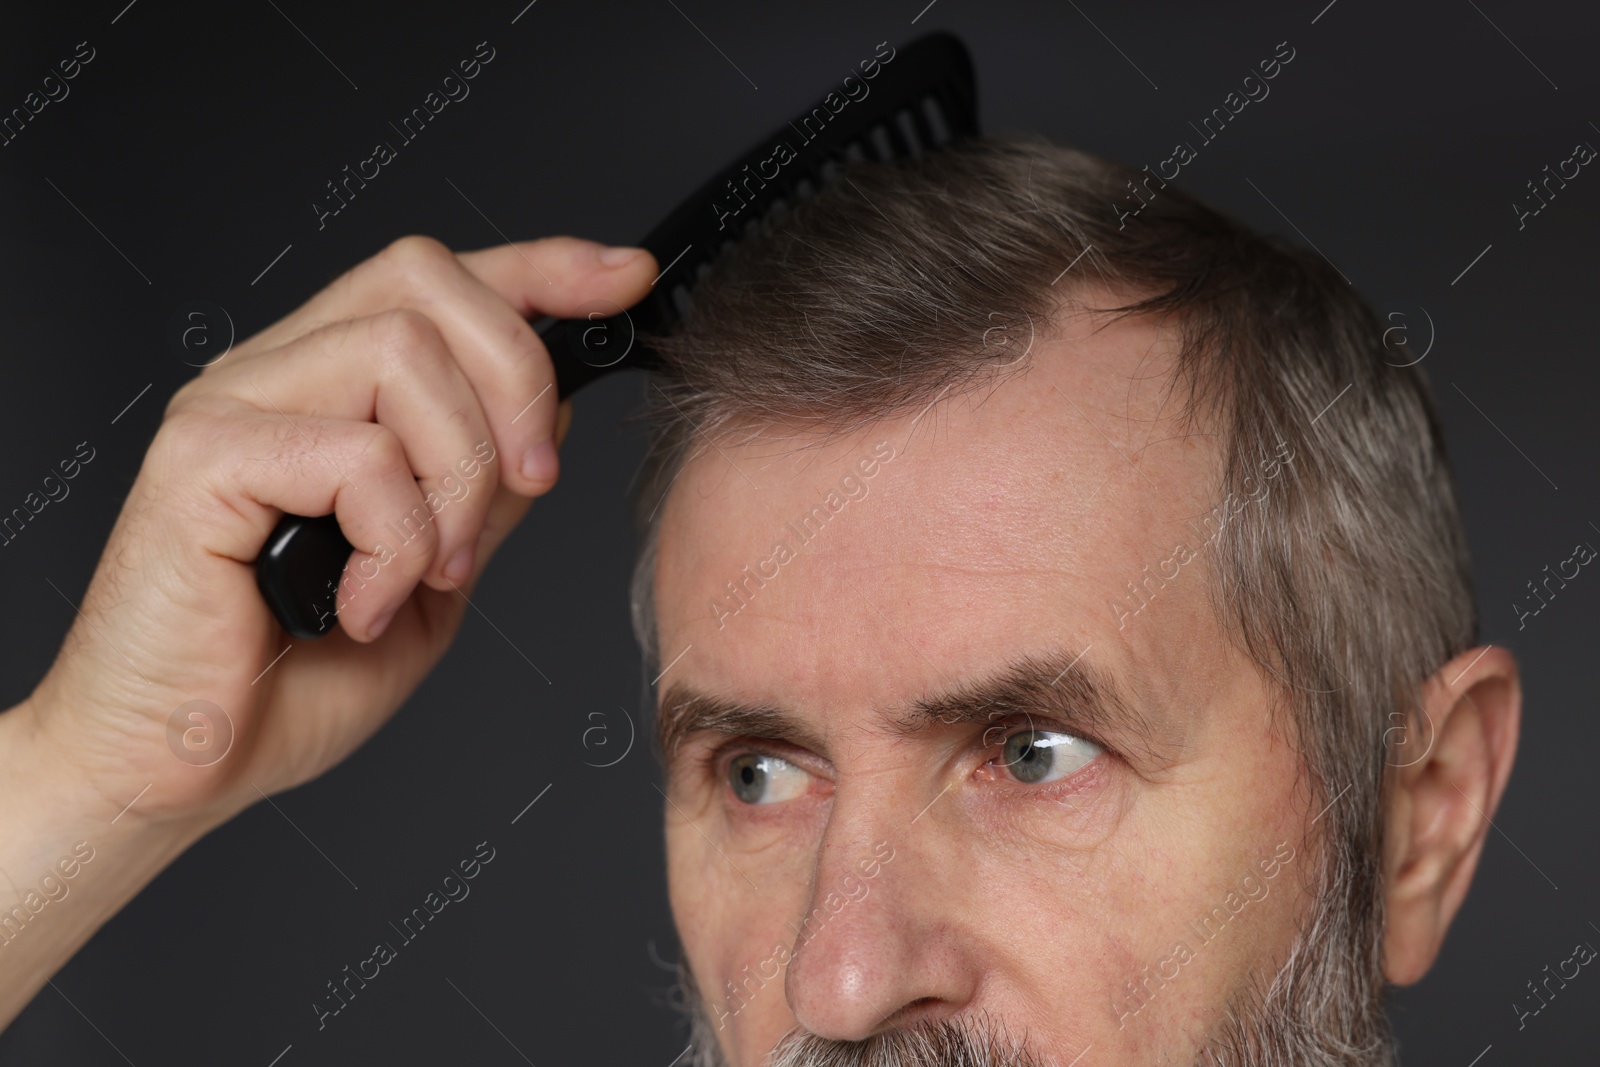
(1323, 1008)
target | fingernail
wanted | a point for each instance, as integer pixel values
(539, 463)
(460, 565)
(617, 256)
(382, 622)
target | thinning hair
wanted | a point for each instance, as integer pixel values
(1347, 589)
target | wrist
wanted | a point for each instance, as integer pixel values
(51, 791)
(71, 857)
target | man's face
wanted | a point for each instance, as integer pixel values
(965, 740)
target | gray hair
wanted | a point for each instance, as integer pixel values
(1347, 589)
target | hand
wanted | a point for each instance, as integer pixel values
(414, 379)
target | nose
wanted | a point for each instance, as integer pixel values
(879, 946)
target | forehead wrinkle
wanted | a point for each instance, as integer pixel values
(803, 452)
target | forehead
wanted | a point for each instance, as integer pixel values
(842, 573)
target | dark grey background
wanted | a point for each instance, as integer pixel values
(196, 142)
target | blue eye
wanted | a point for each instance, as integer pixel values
(756, 778)
(1034, 756)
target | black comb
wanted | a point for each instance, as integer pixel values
(922, 99)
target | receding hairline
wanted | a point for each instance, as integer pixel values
(1349, 587)
(1361, 561)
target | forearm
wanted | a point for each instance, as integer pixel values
(417, 354)
(70, 858)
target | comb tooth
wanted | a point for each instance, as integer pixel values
(680, 299)
(882, 143)
(908, 131)
(921, 127)
(700, 272)
(934, 113)
(829, 170)
(804, 188)
(855, 152)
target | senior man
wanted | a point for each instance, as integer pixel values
(1065, 617)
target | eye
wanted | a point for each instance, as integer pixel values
(757, 778)
(1033, 756)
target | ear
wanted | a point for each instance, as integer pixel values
(1448, 775)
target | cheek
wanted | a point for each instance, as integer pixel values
(704, 906)
(729, 932)
(722, 891)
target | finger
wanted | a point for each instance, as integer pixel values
(259, 465)
(508, 508)
(625, 276)
(505, 511)
(393, 368)
(571, 278)
(483, 323)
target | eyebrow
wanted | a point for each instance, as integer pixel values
(1061, 686)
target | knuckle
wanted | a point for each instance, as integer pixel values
(380, 452)
(416, 256)
(530, 359)
(416, 538)
(195, 397)
(334, 334)
(181, 398)
(186, 435)
(405, 339)
(520, 378)
(463, 422)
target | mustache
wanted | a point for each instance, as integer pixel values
(976, 1042)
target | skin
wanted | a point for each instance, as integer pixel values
(1005, 524)
(395, 372)
(976, 543)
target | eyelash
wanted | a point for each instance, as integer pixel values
(1011, 726)
(712, 761)
(1021, 720)
(712, 764)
